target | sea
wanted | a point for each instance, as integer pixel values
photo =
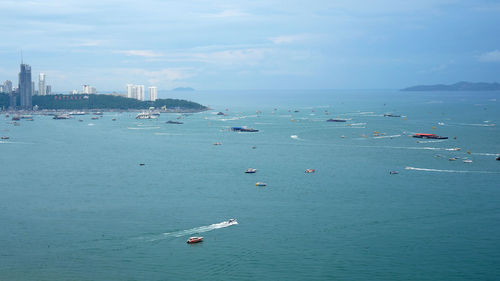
(76, 203)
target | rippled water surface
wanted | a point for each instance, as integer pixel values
(76, 205)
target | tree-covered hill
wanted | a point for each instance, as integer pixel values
(104, 102)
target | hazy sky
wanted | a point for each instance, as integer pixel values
(262, 44)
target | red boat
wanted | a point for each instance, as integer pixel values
(429, 136)
(193, 240)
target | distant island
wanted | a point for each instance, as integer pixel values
(183, 89)
(460, 86)
(94, 101)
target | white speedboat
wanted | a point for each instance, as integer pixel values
(146, 115)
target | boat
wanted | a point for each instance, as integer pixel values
(467, 161)
(250, 171)
(220, 113)
(232, 221)
(243, 129)
(16, 118)
(80, 120)
(173, 122)
(336, 120)
(259, 183)
(217, 143)
(498, 158)
(429, 136)
(97, 113)
(77, 113)
(453, 159)
(193, 240)
(61, 116)
(114, 119)
(393, 172)
(95, 118)
(26, 116)
(391, 115)
(146, 115)
(4, 138)
(310, 171)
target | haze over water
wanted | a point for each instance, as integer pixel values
(76, 205)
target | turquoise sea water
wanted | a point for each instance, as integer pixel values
(76, 205)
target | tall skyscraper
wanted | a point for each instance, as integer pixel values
(87, 89)
(48, 90)
(7, 86)
(153, 93)
(42, 91)
(140, 92)
(130, 91)
(25, 87)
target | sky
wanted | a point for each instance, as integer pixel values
(260, 44)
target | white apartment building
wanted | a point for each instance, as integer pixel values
(153, 93)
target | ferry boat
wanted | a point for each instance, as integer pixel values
(429, 136)
(193, 240)
(250, 171)
(146, 115)
(336, 120)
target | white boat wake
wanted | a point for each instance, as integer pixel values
(196, 230)
(449, 171)
(143, 128)
(383, 137)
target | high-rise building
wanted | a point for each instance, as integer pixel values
(130, 91)
(48, 90)
(87, 89)
(7, 86)
(25, 86)
(2, 89)
(140, 92)
(153, 93)
(42, 91)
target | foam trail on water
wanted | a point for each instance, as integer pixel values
(143, 128)
(449, 171)
(200, 229)
(383, 137)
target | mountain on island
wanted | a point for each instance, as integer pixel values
(184, 89)
(460, 86)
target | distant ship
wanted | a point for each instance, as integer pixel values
(243, 129)
(146, 115)
(61, 116)
(429, 136)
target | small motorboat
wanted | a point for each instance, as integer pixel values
(259, 183)
(95, 118)
(5, 138)
(250, 171)
(114, 119)
(393, 172)
(173, 122)
(232, 221)
(142, 164)
(193, 240)
(467, 161)
(336, 120)
(498, 158)
(310, 171)
(453, 159)
(391, 115)
(217, 143)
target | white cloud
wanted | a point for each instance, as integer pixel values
(140, 53)
(493, 56)
(228, 14)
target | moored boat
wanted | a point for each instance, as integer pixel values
(310, 171)
(173, 122)
(259, 183)
(429, 136)
(391, 115)
(4, 138)
(336, 120)
(61, 116)
(146, 115)
(250, 171)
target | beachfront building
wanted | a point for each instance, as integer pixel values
(153, 93)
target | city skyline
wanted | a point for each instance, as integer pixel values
(253, 45)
